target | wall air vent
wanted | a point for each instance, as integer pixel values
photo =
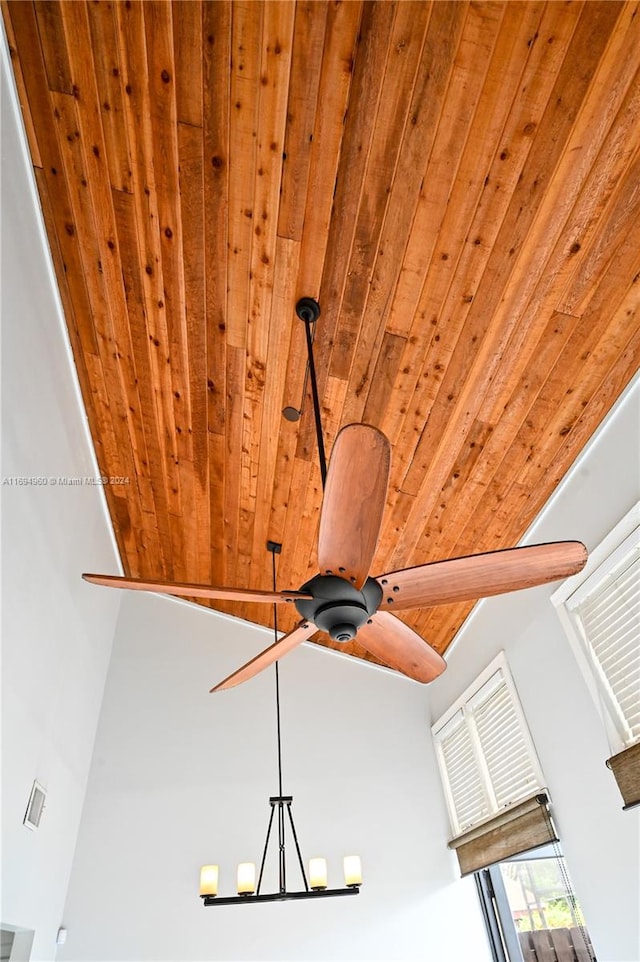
(35, 807)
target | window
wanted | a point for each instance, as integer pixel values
(490, 773)
(531, 910)
(600, 610)
(485, 753)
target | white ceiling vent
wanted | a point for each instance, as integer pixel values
(35, 807)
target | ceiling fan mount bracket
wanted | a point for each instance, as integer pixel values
(308, 310)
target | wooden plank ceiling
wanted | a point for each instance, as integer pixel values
(458, 185)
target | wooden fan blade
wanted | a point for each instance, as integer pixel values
(481, 575)
(400, 647)
(354, 499)
(195, 591)
(279, 648)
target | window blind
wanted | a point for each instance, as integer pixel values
(520, 828)
(486, 757)
(607, 613)
(502, 740)
(488, 767)
(468, 794)
(626, 769)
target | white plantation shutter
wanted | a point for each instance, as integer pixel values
(504, 748)
(600, 611)
(468, 795)
(486, 757)
(606, 613)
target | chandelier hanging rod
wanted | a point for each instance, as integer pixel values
(247, 890)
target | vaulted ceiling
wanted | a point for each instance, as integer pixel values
(458, 184)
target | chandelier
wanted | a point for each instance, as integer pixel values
(316, 884)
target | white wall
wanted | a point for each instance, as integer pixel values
(600, 841)
(181, 777)
(56, 633)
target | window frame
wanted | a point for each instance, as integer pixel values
(504, 940)
(470, 698)
(602, 560)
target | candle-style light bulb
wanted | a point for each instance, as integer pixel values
(246, 878)
(209, 880)
(317, 873)
(352, 871)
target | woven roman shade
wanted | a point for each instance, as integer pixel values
(626, 769)
(518, 829)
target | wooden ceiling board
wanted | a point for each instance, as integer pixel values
(457, 183)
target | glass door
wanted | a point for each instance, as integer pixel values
(531, 911)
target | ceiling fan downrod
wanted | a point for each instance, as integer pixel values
(308, 310)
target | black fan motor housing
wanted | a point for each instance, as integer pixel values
(337, 607)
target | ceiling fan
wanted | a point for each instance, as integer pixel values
(345, 601)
